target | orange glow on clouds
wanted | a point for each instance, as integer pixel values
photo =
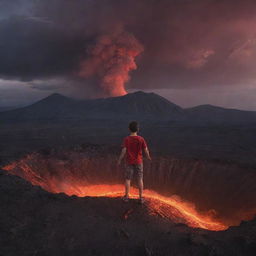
(110, 61)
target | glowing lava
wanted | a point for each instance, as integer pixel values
(173, 208)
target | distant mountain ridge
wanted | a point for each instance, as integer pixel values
(58, 107)
(214, 114)
(138, 105)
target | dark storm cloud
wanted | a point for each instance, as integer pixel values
(31, 48)
(186, 43)
(46, 86)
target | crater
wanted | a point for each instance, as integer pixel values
(201, 194)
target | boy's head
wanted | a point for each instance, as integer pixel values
(134, 126)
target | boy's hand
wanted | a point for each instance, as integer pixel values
(147, 154)
(121, 156)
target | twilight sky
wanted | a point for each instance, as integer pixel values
(189, 51)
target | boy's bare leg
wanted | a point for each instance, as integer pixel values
(140, 185)
(127, 188)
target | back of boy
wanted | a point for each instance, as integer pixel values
(133, 147)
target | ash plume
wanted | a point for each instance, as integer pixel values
(110, 60)
(188, 44)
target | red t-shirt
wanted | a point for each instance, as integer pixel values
(134, 146)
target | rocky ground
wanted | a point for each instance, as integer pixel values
(35, 222)
(208, 163)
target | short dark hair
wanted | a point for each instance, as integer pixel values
(133, 126)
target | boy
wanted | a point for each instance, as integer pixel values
(132, 147)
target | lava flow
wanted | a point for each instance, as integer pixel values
(58, 176)
(173, 208)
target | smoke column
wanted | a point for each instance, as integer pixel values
(110, 60)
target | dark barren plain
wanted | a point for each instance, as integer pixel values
(205, 155)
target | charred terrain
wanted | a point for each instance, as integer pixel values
(61, 188)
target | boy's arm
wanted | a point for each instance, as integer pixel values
(123, 152)
(147, 153)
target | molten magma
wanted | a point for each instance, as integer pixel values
(168, 207)
(173, 208)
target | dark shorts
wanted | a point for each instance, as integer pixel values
(133, 168)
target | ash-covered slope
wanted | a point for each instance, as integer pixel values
(35, 222)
